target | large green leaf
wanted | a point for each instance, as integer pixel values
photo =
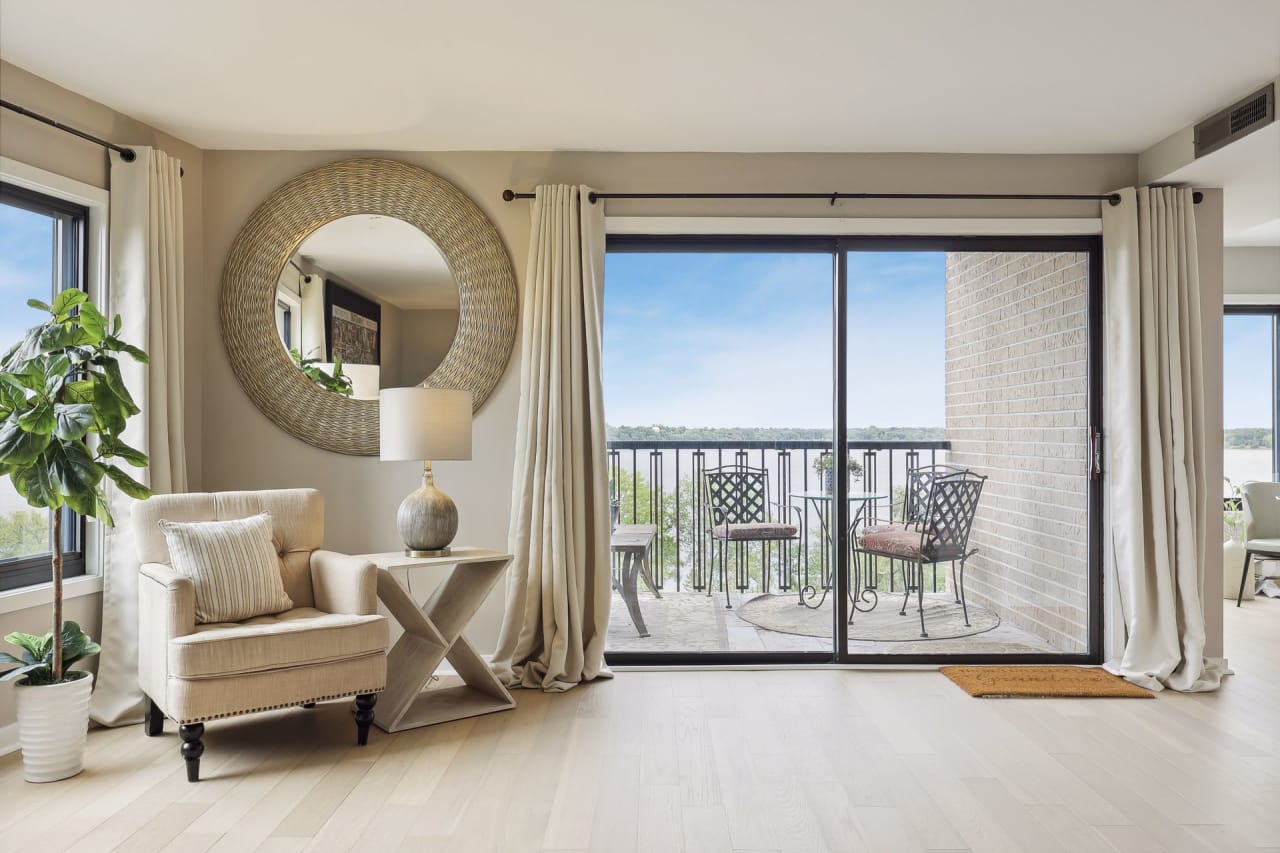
(15, 360)
(39, 306)
(108, 408)
(78, 391)
(39, 418)
(116, 345)
(19, 447)
(93, 322)
(35, 482)
(67, 300)
(76, 474)
(110, 446)
(111, 372)
(127, 484)
(73, 420)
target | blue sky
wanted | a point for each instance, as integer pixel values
(1246, 371)
(744, 340)
(26, 270)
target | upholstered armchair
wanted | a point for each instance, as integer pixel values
(331, 644)
(1261, 526)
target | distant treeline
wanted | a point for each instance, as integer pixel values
(1248, 438)
(681, 433)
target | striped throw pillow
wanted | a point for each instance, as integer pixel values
(232, 564)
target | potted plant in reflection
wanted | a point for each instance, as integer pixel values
(825, 463)
(63, 408)
(337, 382)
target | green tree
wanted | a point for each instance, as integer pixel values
(24, 533)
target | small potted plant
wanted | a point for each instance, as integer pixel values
(1233, 545)
(823, 465)
(63, 408)
(337, 382)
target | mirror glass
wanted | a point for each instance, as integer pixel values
(367, 302)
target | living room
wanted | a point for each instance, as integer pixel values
(505, 242)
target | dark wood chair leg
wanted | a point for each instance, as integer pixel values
(152, 717)
(1248, 558)
(308, 705)
(364, 716)
(192, 748)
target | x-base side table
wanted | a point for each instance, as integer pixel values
(432, 635)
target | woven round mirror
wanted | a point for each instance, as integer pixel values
(328, 295)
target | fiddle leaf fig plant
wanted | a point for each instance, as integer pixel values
(63, 408)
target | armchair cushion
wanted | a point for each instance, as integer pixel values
(755, 531)
(906, 541)
(232, 564)
(296, 637)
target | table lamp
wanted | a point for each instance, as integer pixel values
(425, 423)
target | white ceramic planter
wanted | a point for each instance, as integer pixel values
(53, 721)
(1232, 567)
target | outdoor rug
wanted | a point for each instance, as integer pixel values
(1003, 682)
(943, 618)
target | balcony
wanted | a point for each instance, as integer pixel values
(658, 482)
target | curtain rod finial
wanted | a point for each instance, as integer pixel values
(508, 195)
(1197, 197)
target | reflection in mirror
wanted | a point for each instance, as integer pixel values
(367, 302)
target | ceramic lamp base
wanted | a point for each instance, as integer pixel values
(428, 519)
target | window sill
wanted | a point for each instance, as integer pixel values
(42, 594)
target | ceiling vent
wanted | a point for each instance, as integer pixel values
(1240, 119)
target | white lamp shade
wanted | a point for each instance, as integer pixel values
(424, 424)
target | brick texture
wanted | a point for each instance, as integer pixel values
(1016, 396)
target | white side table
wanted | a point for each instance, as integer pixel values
(433, 634)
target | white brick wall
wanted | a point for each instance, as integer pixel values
(1016, 396)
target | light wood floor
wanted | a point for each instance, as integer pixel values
(759, 761)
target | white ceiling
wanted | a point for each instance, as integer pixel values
(1000, 76)
(1248, 170)
(385, 258)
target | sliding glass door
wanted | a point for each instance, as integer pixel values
(957, 518)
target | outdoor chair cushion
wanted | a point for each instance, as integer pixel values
(755, 531)
(903, 541)
(298, 637)
(888, 527)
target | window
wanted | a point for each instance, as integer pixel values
(42, 251)
(1250, 420)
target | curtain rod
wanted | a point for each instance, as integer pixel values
(1112, 198)
(126, 154)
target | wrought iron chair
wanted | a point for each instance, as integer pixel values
(738, 511)
(940, 506)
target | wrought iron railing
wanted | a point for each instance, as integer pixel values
(659, 482)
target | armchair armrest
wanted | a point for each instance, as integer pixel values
(344, 584)
(166, 602)
(166, 610)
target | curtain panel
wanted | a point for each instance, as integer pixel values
(145, 286)
(1155, 438)
(558, 594)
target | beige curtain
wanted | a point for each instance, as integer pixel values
(145, 287)
(1155, 440)
(558, 592)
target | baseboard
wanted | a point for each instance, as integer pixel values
(8, 739)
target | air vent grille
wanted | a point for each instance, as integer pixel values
(1240, 119)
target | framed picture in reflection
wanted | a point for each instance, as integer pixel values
(352, 326)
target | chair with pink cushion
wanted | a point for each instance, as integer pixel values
(739, 511)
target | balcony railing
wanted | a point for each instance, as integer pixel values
(660, 482)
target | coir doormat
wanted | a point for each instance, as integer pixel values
(1002, 682)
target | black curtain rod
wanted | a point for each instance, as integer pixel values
(126, 154)
(1112, 198)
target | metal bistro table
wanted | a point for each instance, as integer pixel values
(862, 598)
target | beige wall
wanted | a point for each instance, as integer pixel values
(1017, 385)
(30, 142)
(1251, 271)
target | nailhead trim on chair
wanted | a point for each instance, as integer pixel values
(342, 695)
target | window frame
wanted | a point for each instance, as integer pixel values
(74, 265)
(1272, 311)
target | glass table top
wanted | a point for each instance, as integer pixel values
(827, 496)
